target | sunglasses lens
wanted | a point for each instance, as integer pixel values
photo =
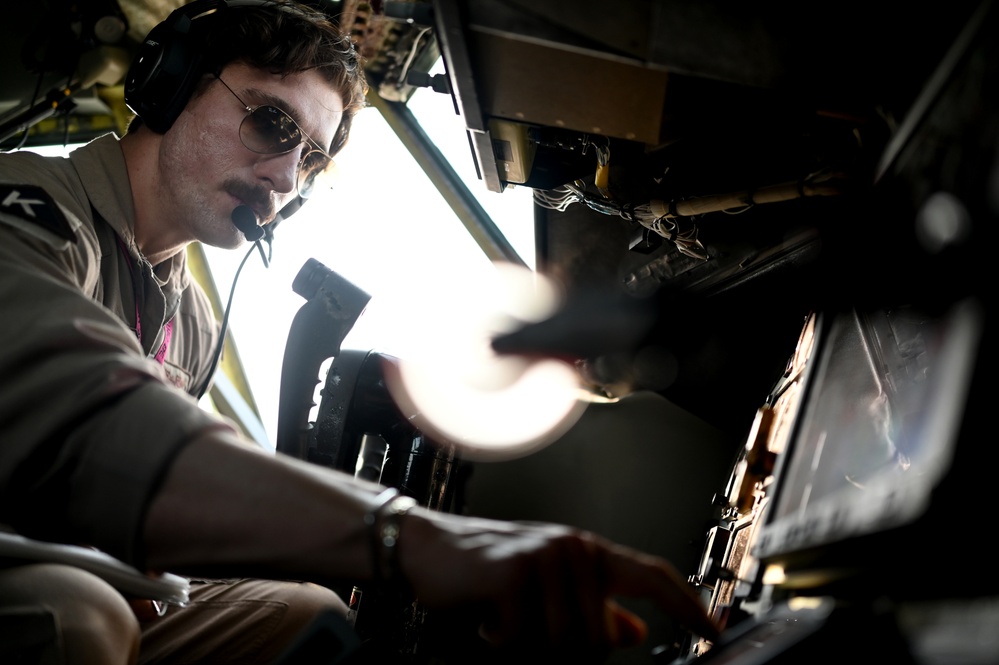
(269, 131)
(314, 174)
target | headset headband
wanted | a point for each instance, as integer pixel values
(170, 61)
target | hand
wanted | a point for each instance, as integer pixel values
(541, 585)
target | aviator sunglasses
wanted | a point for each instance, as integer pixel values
(267, 130)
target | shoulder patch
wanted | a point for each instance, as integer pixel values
(33, 204)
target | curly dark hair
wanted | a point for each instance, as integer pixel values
(282, 37)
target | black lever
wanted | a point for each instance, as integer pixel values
(317, 331)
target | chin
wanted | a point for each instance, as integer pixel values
(224, 239)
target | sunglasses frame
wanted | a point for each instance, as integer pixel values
(303, 186)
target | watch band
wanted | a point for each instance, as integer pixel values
(384, 527)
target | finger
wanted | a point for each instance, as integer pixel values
(589, 589)
(556, 576)
(639, 575)
(579, 613)
(626, 628)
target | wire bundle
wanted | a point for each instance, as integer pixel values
(649, 215)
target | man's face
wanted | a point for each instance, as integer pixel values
(207, 171)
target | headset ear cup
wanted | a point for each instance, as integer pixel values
(170, 60)
(165, 71)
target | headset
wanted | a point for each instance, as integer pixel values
(170, 61)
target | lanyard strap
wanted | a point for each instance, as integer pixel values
(167, 334)
(167, 327)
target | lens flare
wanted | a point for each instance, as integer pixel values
(455, 388)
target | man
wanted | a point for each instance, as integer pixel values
(107, 341)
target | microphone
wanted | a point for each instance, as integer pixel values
(244, 219)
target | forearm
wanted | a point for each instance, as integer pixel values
(226, 509)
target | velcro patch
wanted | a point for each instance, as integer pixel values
(33, 204)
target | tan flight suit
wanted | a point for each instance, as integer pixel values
(100, 358)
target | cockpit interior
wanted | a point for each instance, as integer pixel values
(768, 223)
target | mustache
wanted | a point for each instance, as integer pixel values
(258, 198)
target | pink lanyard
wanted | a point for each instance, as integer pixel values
(167, 327)
(167, 334)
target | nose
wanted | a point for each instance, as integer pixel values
(281, 171)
